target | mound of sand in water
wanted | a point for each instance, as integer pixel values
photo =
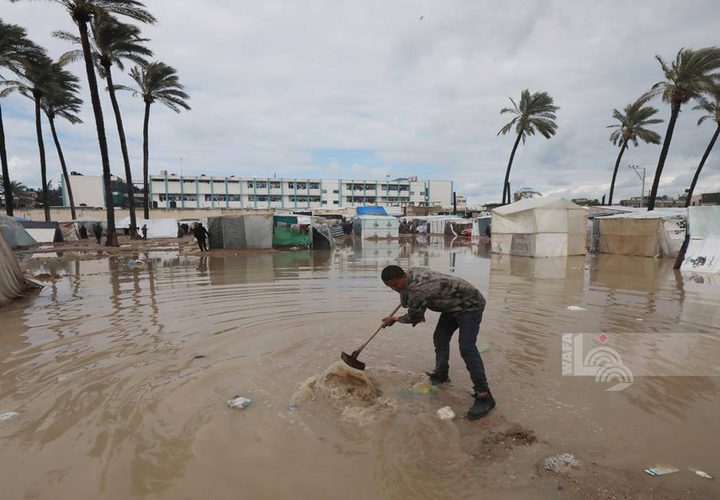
(340, 383)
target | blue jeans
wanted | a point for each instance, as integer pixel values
(469, 325)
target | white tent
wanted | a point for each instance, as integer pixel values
(14, 233)
(658, 233)
(157, 228)
(480, 226)
(376, 226)
(703, 252)
(12, 281)
(539, 227)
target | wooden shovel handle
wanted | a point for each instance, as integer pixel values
(376, 332)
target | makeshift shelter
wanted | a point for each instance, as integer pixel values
(703, 251)
(539, 227)
(43, 232)
(240, 232)
(12, 282)
(458, 228)
(292, 230)
(14, 233)
(371, 210)
(481, 226)
(157, 228)
(658, 233)
(68, 231)
(376, 226)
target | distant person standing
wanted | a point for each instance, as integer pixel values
(201, 235)
(97, 231)
(144, 231)
(83, 232)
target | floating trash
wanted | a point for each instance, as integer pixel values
(561, 463)
(576, 308)
(239, 403)
(446, 413)
(702, 473)
(8, 415)
(483, 347)
(661, 471)
(424, 388)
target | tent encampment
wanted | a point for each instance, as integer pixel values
(657, 233)
(539, 227)
(157, 228)
(242, 231)
(12, 282)
(14, 233)
(703, 251)
(43, 232)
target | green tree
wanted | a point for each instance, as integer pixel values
(156, 82)
(13, 190)
(14, 48)
(535, 112)
(113, 43)
(631, 128)
(61, 100)
(687, 77)
(711, 105)
(82, 12)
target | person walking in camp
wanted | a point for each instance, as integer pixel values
(201, 234)
(461, 306)
(144, 231)
(97, 231)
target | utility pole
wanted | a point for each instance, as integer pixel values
(635, 168)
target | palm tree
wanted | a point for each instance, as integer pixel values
(114, 42)
(631, 128)
(156, 82)
(712, 107)
(14, 47)
(536, 112)
(82, 12)
(60, 100)
(13, 189)
(687, 77)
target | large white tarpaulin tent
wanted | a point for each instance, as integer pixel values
(539, 227)
(703, 251)
(657, 233)
(157, 228)
(14, 233)
(376, 226)
(12, 282)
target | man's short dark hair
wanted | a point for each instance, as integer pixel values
(392, 273)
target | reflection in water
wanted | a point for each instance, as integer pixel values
(121, 367)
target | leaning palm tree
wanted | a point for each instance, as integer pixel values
(687, 77)
(535, 112)
(60, 100)
(711, 106)
(631, 128)
(113, 43)
(156, 82)
(82, 12)
(14, 47)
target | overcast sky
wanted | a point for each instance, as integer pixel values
(348, 89)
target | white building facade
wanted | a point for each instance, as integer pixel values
(173, 191)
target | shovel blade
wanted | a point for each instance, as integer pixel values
(352, 361)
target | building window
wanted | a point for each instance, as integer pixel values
(335, 191)
(335, 202)
(275, 185)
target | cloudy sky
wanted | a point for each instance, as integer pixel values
(351, 89)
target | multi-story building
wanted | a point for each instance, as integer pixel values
(173, 191)
(89, 191)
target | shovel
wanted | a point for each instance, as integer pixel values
(351, 359)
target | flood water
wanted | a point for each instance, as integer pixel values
(120, 374)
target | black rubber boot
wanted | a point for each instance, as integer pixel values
(436, 379)
(481, 406)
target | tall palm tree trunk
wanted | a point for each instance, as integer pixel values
(126, 157)
(7, 187)
(506, 184)
(100, 125)
(146, 184)
(701, 165)
(617, 164)
(68, 187)
(41, 149)
(674, 112)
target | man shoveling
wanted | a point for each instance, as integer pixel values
(461, 306)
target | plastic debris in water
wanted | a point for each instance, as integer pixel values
(239, 402)
(424, 388)
(702, 473)
(576, 308)
(561, 463)
(8, 415)
(483, 347)
(661, 471)
(446, 413)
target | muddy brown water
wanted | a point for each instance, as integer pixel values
(121, 371)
